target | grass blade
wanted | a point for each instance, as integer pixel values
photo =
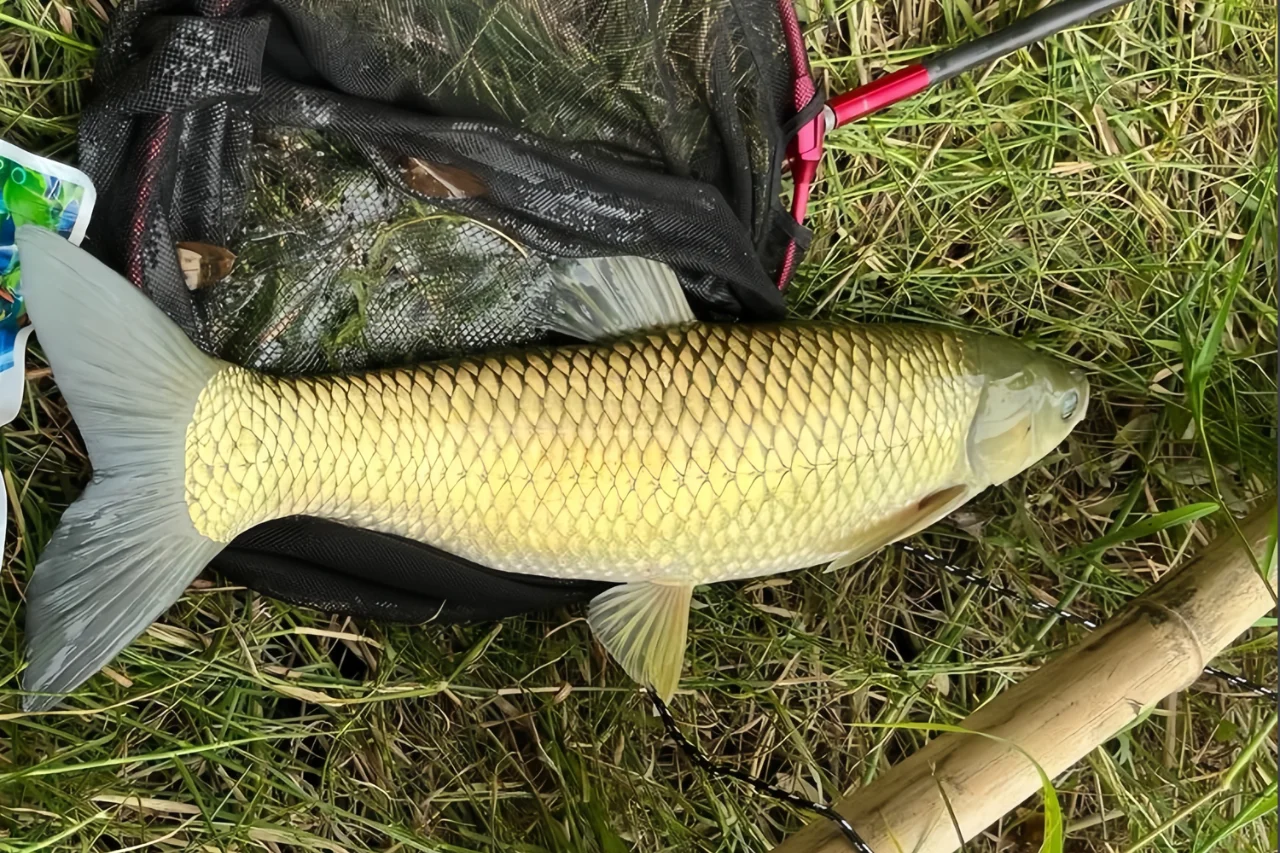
(1265, 804)
(1054, 827)
(1147, 527)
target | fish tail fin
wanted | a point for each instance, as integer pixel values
(126, 549)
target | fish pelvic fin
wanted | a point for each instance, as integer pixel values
(599, 298)
(126, 549)
(644, 627)
(906, 522)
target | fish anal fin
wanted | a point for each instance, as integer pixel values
(644, 626)
(907, 521)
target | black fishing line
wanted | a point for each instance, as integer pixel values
(697, 757)
(1044, 609)
(846, 829)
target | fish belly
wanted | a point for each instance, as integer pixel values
(696, 454)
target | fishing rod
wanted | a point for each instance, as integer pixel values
(1035, 606)
(807, 147)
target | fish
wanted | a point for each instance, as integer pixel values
(653, 451)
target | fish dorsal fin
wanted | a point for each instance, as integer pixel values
(643, 626)
(598, 298)
(905, 522)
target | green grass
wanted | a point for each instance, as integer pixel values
(1109, 194)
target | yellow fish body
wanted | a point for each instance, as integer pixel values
(697, 454)
(658, 460)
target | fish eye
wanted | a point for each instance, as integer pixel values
(1069, 402)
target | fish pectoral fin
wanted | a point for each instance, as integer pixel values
(644, 626)
(906, 522)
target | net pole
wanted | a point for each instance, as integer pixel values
(902, 84)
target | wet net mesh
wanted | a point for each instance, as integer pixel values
(316, 185)
(307, 185)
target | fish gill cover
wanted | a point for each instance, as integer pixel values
(307, 185)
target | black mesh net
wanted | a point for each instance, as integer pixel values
(317, 184)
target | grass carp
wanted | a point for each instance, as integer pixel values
(661, 453)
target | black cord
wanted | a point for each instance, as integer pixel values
(1049, 610)
(846, 829)
(697, 757)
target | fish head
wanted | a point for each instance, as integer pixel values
(1030, 402)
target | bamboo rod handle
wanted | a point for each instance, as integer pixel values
(1157, 645)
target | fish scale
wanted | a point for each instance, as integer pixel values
(697, 454)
